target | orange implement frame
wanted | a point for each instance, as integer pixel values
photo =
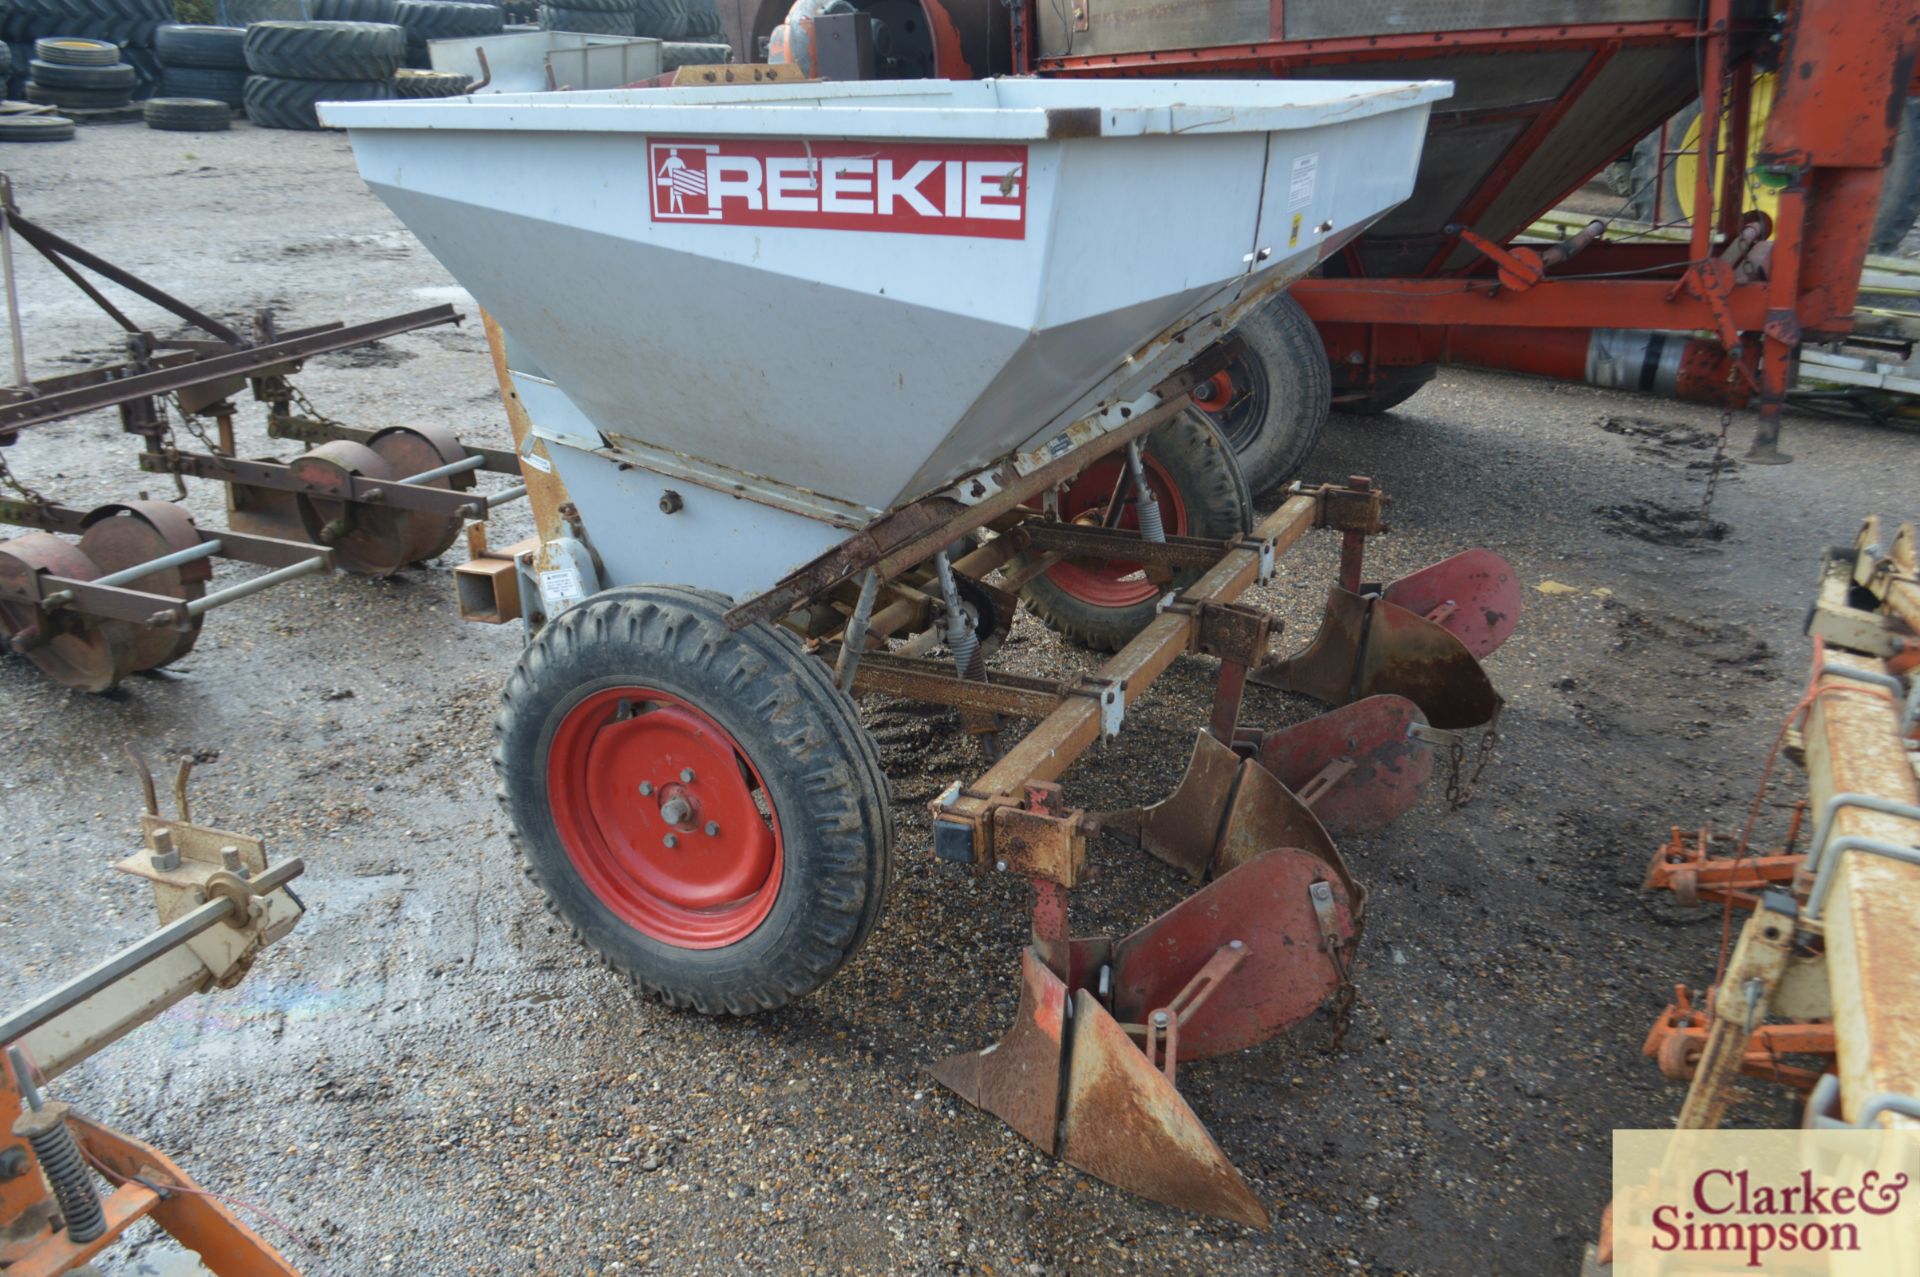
(146, 1185)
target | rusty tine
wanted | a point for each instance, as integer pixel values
(180, 788)
(146, 779)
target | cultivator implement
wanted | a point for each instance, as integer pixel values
(684, 765)
(130, 593)
(1816, 988)
(1811, 975)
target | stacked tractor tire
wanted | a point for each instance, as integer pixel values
(129, 25)
(426, 20)
(677, 20)
(208, 63)
(296, 65)
(72, 73)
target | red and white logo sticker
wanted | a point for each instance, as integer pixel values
(903, 187)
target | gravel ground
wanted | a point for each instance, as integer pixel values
(429, 1076)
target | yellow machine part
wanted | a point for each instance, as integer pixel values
(1686, 165)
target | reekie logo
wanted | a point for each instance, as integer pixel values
(898, 187)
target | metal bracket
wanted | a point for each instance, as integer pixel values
(1356, 506)
(1111, 696)
(1823, 1108)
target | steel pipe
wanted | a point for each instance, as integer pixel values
(461, 466)
(267, 580)
(205, 550)
(137, 955)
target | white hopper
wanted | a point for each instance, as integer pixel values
(835, 298)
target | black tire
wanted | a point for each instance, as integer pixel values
(554, 18)
(677, 54)
(411, 83)
(204, 82)
(275, 103)
(444, 20)
(118, 78)
(1273, 400)
(820, 775)
(188, 115)
(215, 48)
(325, 50)
(660, 19)
(703, 21)
(1198, 462)
(1900, 185)
(76, 51)
(146, 72)
(123, 22)
(353, 10)
(1391, 388)
(35, 128)
(79, 99)
(602, 6)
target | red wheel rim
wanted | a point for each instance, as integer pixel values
(1116, 582)
(617, 773)
(1215, 393)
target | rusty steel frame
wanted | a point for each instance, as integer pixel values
(1855, 743)
(1830, 942)
(55, 398)
(1046, 752)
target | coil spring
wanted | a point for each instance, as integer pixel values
(72, 1183)
(1151, 528)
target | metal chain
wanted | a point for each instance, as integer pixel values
(1461, 782)
(1713, 471)
(1734, 372)
(306, 405)
(15, 484)
(1340, 1006)
(187, 419)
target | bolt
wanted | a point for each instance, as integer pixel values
(1235, 944)
(670, 502)
(675, 810)
(13, 1162)
(165, 856)
(1000, 865)
(713, 828)
(671, 841)
(230, 859)
(646, 789)
(1160, 1019)
(686, 775)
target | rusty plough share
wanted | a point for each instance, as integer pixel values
(129, 595)
(1088, 1070)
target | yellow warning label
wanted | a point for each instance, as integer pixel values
(1293, 236)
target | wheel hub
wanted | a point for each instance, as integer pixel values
(662, 815)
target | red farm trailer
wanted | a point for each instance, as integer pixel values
(1547, 94)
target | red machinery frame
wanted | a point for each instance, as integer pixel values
(1846, 69)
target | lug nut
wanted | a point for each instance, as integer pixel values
(713, 828)
(675, 810)
(646, 789)
(686, 775)
(671, 841)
